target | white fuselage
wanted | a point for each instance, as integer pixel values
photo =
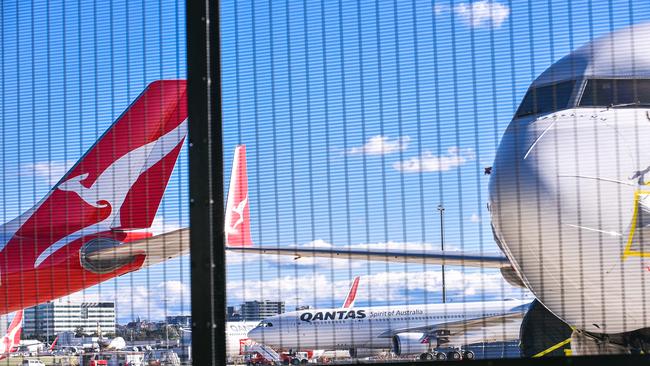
(570, 185)
(564, 194)
(367, 327)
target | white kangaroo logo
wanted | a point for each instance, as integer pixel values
(239, 210)
(113, 184)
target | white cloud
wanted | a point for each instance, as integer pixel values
(50, 171)
(153, 301)
(400, 246)
(475, 218)
(477, 14)
(440, 8)
(391, 286)
(381, 145)
(430, 163)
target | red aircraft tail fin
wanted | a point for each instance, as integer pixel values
(119, 183)
(128, 168)
(352, 294)
(51, 348)
(14, 330)
(237, 219)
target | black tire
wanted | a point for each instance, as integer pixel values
(469, 355)
(295, 362)
(303, 362)
(427, 356)
(441, 356)
(454, 355)
(285, 362)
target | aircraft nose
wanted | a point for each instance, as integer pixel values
(255, 334)
(555, 181)
(561, 193)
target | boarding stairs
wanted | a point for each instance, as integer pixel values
(267, 352)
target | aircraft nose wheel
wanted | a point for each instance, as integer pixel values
(469, 355)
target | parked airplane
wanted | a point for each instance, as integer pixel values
(87, 229)
(11, 341)
(413, 329)
(237, 338)
(568, 198)
(405, 328)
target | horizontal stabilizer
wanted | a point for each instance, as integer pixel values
(156, 249)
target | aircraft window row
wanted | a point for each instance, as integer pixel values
(616, 93)
(546, 98)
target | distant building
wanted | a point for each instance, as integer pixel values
(181, 320)
(233, 314)
(258, 310)
(52, 318)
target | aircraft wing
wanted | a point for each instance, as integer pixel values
(238, 237)
(501, 328)
(450, 258)
(156, 249)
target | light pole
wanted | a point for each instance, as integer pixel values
(441, 208)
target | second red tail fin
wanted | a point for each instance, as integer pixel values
(53, 344)
(237, 220)
(352, 294)
(14, 330)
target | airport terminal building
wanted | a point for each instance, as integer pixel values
(48, 319)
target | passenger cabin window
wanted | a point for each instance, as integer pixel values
(547, 98)
(616, 93)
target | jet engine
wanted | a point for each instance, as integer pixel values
(409, 344)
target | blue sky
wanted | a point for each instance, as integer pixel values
(315, 90)
(69, 69)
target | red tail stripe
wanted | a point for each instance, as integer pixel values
(349, 300)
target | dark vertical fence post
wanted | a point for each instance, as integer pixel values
(206, 184)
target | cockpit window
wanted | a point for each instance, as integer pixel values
(616, 93)
(546, 98)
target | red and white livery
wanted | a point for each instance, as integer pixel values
(11, 340)
(92, 225)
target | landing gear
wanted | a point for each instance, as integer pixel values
(454, 355)
(451, 355)
(468, 355)
(439, 352)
